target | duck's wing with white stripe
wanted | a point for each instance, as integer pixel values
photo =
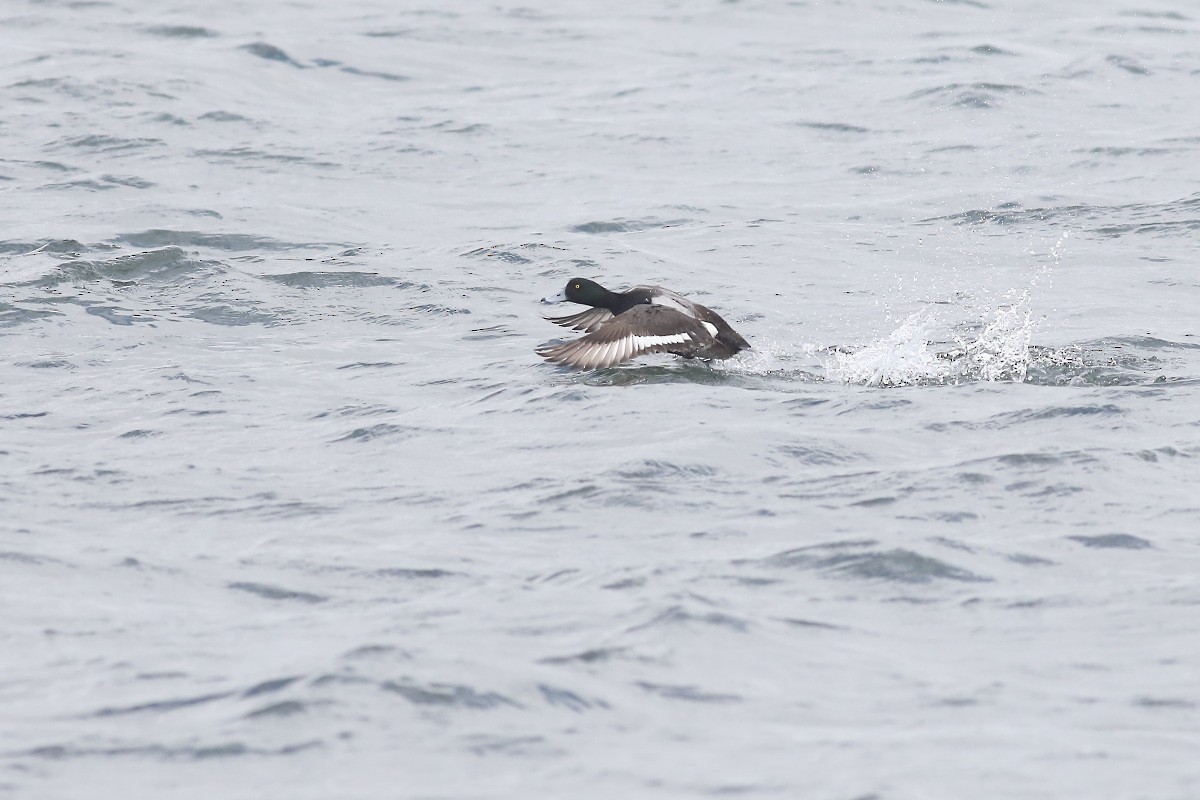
(586, 321)
(640, 330)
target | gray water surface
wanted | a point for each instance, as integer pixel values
(290, 508)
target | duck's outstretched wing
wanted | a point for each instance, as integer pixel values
(586, 321)
(640, 330)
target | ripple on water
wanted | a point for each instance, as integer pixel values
(991, 50)
(1123, 361)
(27, 559)
(162, 266)
(981, 95)
(270, 592)
(415, 574)
(270, 52)
(822, 456)
(339, 280)
(564, 698)
(596, 655)
(652, 470)
(118, 316)
(381, 430)
(181, 31)
(101, 183)
(834, 127)
(282, 708)
(223, 116)
(357, 411)
(1040, 461)
(231, 242)
(675, 371)
(101, 143)
(370, 365)
(679, 617)
(508, 256)
(864, 559)
(160, 706)
(196, 752)
(1011, 419)
(270, 686)
(234, 314)
(622, 225)
(68, 246)
(13, 315)
(1169, 218)
(448, 695)
(1120, 541)
(689, 693)
(262, 160)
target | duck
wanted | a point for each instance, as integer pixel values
(621, 326)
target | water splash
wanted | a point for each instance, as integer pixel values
(1001, 351)
(911, 354)
(902, 358)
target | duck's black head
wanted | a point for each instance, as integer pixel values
(587, 292)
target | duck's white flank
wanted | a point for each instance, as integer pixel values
(672, 300)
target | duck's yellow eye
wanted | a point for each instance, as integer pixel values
(577, 286)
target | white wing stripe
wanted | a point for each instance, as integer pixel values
(646, 342)
(598, 355)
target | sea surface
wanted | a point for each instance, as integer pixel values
(290, 508)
